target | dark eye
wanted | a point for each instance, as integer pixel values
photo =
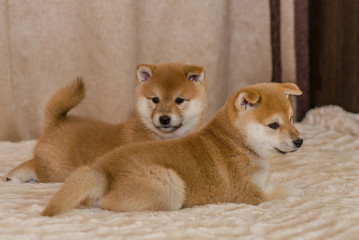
(155, 100)
(179, 100)
(273, 125)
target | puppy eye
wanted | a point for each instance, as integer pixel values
(273, 125)
(179, 100)
(155, 100)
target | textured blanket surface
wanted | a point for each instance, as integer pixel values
(326, 168)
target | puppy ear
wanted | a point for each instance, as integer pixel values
(195, 74)
(247, 99)
(290, 89)
(144, 72)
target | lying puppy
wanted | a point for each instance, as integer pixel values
(223, 162)
(171, 100)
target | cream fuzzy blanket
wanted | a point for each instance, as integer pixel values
(326, 168)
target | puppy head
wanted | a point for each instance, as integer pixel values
(264, 115)
(171, 98)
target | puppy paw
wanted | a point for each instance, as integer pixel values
(13, 179)
(22, 176)
(21, 179)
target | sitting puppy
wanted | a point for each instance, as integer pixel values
(223, 162)
(171, 100)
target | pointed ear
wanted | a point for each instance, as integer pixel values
(195, 74)
(290, 89)
(144, 72)
(247, 99)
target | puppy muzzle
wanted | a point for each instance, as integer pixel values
(166, 124)
(285, 148)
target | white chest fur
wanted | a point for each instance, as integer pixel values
(260, 178)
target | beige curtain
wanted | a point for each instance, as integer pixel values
(44, 44)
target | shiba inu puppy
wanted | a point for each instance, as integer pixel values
(171, 99)
(225, 161)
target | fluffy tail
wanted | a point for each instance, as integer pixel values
(63, 101)
(84, 183)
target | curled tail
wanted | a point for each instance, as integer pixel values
(84, 183)
(63, 101)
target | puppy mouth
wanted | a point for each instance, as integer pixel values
(284, 152)
(168, 128)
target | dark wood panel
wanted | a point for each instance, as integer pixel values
(275, 40)
(301, 16)
(334, 53)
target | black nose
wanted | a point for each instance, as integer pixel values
(298, 142)
(164, 120)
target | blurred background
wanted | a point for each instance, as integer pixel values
(44, 45)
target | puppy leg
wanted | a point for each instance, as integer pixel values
(83, 185)
(155, 188)
(25, 172)
(53, 167)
